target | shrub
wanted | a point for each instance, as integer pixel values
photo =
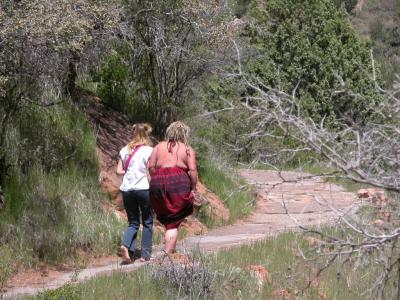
(348, 4)
(53, 209)
(304, 46)
(191, 278)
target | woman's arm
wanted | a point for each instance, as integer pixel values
(192, 169)
(152, 162)
(120, 168)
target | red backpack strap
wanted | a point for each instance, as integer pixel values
(130, 157)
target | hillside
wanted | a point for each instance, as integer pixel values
(379, 21)
(112, 130)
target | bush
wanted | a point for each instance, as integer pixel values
(386, 45)
(191, 279)
(306, 44)
(124, 90)
(349, 5)
(53, 209)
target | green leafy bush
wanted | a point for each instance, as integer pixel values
(124, 89)
(348, 4)
(305, 46)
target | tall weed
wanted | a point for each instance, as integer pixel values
(53, 205)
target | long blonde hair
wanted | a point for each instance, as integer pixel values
(141, 135)
(178, 132)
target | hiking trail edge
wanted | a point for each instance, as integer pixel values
(284, 200)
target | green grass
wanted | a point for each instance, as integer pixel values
(321, 168)
(231, 278)
(234, 193)
(53, 204)
(138, 285)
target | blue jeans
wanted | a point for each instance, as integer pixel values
(134, 201)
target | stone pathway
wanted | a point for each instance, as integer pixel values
(308, 202)
(284, 200)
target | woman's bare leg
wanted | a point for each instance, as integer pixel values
(171, 237)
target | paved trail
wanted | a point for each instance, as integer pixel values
(308, 201)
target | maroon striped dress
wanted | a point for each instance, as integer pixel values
(170, 196)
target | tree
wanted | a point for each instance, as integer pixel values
(166, 47)
(301, 46)
(364, 153)
(41, 44)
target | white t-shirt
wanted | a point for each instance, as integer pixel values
(135, 177)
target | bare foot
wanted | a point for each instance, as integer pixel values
(144, 259)
(126, 259)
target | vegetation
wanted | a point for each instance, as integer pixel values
(163, 53)
(281, 47)
(53, 210)
(348, 4)
(309, 59)
(48, 165)
(233, 192)
(298, 81)
(227, 275)
(378, 21)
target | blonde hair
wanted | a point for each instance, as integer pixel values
(178, 132)
(141, 135)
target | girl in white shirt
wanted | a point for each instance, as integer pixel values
(132, 164)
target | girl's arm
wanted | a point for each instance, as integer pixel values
(120, 168)
(152, 162)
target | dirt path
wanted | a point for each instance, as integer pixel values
(307, 201)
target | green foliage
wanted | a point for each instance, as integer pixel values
(305, 46)
(232, 278)
(386, 45)
(124, 89)
(66, 292)
(289, 44)
(219, 178)
(348, 4)
(136, 285)
(230, 131)
(53, 204)
(8, 264)
(165, 50)
(240, 7)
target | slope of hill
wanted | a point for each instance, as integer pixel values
(113, 130)
(379, 21)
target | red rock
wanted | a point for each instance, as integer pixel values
(377, 222)
(312, 241)
(285, 294)
(260, 273)
(217, 209)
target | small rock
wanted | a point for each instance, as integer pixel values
(312, 241)
(377, 196)
(363, 193)
(378, 222)
(261, 274)
(285, 294)
(321, 296)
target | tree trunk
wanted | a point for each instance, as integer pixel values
(72, 74)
